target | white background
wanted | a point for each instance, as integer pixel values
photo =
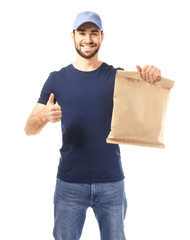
(35, 40)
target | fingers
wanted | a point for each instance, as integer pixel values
(150, 76)
(143, 72)
(146, 73)
(150, 73)
(157, 75)
(54, 108)
(55, 113)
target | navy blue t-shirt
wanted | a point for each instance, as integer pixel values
(86, 100)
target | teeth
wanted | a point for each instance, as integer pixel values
(87, 46)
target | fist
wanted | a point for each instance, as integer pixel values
(53, 112)
(149, 73)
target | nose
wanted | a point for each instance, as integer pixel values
(88, 38)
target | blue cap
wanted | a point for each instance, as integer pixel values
(88, 17)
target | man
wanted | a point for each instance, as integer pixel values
(90, 172)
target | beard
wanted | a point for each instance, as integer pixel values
(87, 53)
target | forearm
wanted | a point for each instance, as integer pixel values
(41, 115)
(35, 123)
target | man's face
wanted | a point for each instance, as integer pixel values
(87, 39)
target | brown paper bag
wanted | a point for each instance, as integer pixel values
(139, 110)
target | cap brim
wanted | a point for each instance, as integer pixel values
(77, 26)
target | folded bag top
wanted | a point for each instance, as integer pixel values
(139, 109)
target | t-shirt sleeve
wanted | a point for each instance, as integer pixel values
(120, 68)
(47, 90)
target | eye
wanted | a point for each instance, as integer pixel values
(82, 33)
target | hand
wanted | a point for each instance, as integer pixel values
(149, 73)
(53, 112)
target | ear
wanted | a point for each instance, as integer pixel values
(72, 35)
(102, 36)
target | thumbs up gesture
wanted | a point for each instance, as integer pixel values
(53, 112)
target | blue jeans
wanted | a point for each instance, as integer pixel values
(71, 201)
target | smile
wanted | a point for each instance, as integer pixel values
(87, 46)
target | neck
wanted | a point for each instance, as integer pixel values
(85, 64)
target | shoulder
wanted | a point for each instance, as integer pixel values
(62, 71)
(111, 67)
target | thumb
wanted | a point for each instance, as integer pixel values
(138, 68)
(51, 100)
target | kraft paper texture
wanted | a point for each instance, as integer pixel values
(139, 110)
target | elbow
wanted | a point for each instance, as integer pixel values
(28, 130)
(28, 133)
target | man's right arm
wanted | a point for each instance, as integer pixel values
(41, 115)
